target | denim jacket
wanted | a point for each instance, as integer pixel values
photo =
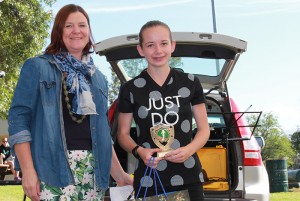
(36, 116)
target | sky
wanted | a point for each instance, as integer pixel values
(266, 76)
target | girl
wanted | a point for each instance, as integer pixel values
(161, 98)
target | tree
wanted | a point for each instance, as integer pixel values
(269, 125)
(278, 145)
(24, 29)
(114, 87)
(295, 139)
(132, 68)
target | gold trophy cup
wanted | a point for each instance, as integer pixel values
(163, 136)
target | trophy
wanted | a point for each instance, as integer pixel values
(163, 136)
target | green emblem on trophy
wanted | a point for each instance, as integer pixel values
(163, 136)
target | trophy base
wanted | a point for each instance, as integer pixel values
(162, 153)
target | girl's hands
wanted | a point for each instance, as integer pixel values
(179, 155)
(145, 154)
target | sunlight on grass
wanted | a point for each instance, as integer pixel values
(293, 195)
(11, 193)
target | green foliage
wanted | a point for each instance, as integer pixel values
(295, 138)
(278, 145)
(24, 29)
(114, 87)
(269, 125)
(175, 62)
(134, 67)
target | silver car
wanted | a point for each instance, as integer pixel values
(231, 159)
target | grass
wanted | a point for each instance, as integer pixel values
(15, 193)
(292, 195)
(12, 193)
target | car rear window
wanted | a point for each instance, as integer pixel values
(193, 65)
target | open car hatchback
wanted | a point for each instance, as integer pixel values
(231, 159)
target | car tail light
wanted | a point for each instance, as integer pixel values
(252, 157)
(111, 112)
(251, 149)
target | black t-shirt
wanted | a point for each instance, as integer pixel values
(168, 104)
(5, 150)
(78, 136)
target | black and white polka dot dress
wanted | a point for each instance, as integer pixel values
(168, 104)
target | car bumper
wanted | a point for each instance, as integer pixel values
(256, 183)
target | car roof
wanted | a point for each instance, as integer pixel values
(199, 45)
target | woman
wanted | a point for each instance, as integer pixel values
(58, 121)
(162, 99)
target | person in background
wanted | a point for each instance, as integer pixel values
(158, 99)
(58, 122)
(7, 158)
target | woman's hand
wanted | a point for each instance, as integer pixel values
(30, 180)
(31, 184)
(124, 180)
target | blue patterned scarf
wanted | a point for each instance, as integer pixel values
(78, 74)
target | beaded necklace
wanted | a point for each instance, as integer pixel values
(80, 120)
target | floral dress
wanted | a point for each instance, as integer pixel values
(82, 165)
